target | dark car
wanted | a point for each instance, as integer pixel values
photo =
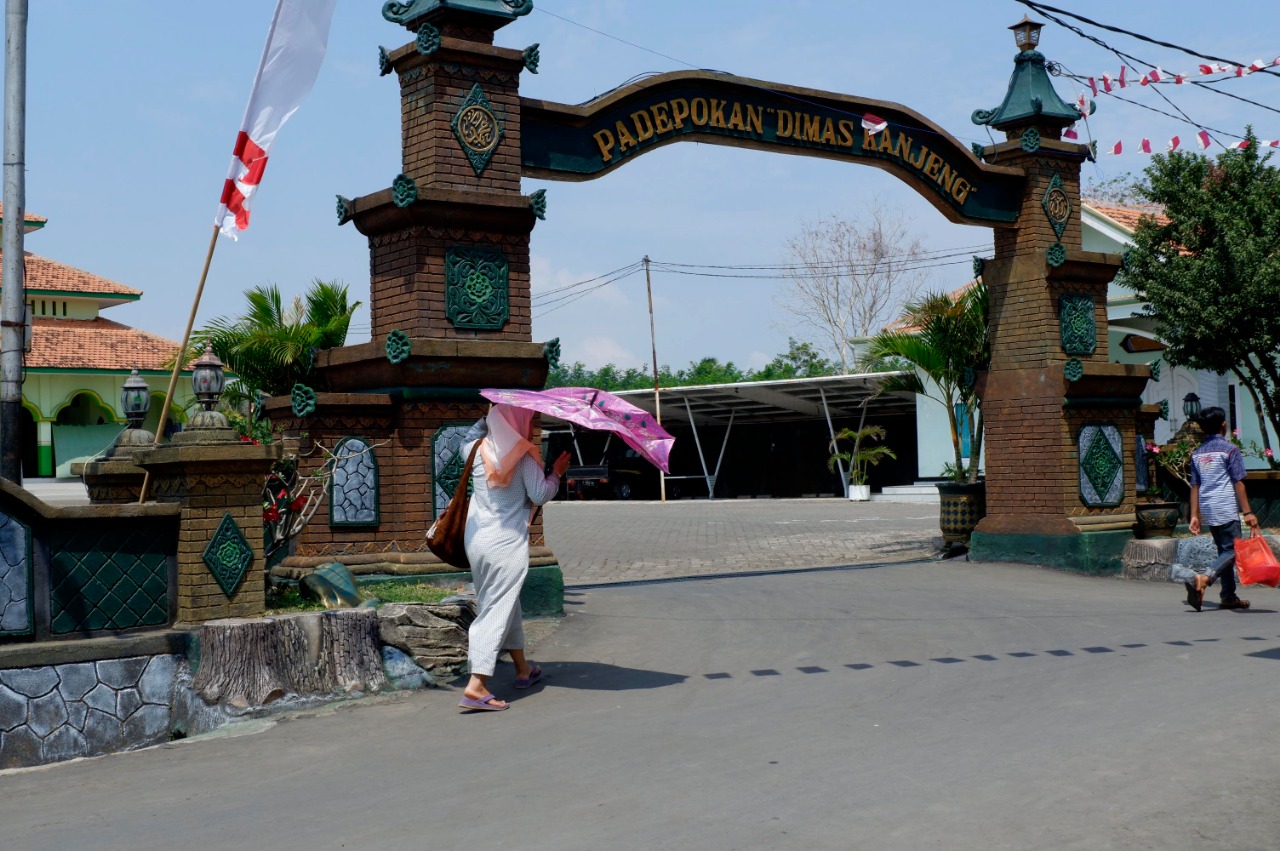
(626, 476)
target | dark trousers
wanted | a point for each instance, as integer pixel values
(1224, 567)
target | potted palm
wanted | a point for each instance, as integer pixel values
(945, 339)
(859, 458)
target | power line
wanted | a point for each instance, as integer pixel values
(783, 276)
(1040, 7)
(1126, 57)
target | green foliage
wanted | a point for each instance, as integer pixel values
(951, 344)
(1211, 276)
(272, 345)
(801, 360)
(861, 457)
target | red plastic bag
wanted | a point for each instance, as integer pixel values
(1255, 563)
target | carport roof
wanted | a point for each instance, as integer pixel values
(775, 401)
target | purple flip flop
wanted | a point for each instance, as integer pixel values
(534, 676)
(483, 704)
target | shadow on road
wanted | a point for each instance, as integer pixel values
(597, 676)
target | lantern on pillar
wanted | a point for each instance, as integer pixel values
(1026, 33)
(207, 378)
(1191, 407)
(135, 399)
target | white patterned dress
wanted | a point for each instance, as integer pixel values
(497, 542)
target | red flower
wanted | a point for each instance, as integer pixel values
(298, 503)
(271, 515)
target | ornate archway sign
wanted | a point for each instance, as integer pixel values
(450, 281)
(561, 142)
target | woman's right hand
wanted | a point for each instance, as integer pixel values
(561, 465)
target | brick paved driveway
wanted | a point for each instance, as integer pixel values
(603, 542)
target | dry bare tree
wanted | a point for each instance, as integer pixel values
(852, 276)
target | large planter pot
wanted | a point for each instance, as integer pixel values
(859, 493)
(1157, 519)
(963, 505)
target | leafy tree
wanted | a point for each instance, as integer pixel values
(272, 345)
(1210, 275)
(948, 343)
(801, 360)
(710, 371)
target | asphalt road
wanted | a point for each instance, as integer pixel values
(946, 705)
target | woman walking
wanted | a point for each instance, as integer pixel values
(508, 480)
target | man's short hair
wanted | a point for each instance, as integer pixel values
(1211, 420)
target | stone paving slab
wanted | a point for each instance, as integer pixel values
(612, 542)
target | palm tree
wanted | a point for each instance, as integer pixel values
(272, 346)
(861, 457)
(947, 341)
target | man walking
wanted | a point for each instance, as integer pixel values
(1217, 500)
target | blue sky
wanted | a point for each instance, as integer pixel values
(133, 107)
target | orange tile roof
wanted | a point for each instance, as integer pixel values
(1127, 215)
(28, 217)
(45, 274)
(95, 344)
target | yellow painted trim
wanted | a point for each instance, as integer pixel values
(94, 394)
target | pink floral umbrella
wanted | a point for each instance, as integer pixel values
(597, 410)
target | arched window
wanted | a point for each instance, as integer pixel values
(353, 493)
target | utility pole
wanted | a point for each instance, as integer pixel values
(657, 400)
(13, 297)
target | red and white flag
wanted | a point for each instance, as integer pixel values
(1120, 80)
(1205, 141)
(1145, 146)
(1174, 143)
(874, 124)
(290, 63)
(1256, 65)
(1205, 70)
(1274, 143)
(1179, 79)
(1117, 149)
(1106, 83)
(1155, 76)
(1070, 133)
(1241, 145)
(1093, 84)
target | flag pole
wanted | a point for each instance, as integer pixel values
(657, 401)
(180, 359)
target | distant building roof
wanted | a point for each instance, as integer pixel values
(52, 276)
(903, 323)
(95, 344)
(1127, 215)
(32, 221)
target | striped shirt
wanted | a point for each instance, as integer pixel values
(1215, 468)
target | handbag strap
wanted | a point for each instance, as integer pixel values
(466, 469)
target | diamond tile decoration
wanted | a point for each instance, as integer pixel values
(228, 555)
(107, 579)
(477, 129)
(1100, 450)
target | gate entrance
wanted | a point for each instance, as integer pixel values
(449, 293)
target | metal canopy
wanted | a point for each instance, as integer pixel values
(759, 402)
(763, 402)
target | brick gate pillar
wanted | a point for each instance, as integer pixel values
(449, 296)
(1060, 419)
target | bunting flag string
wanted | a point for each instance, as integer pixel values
(1109, 82)
(1202, 140)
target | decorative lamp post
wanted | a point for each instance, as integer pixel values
(1027, 33)
(208, 425)
(135, 399)
(1191, 407)
(208, 378)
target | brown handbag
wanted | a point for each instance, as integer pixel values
(447, 536)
